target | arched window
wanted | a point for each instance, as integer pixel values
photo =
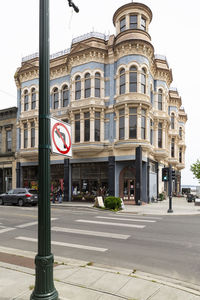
(65, 96)
(180, 132)
(55, 98)
(122, 83)
(143, 81)
(87, 85)
(133, 79)
(160, 99)
(33, 98)
(25, 100)
(78, 87)
(97, 85)
(172, 121)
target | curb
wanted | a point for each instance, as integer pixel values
(166, 281)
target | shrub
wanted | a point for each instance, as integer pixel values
(112, 203)
(161, 196)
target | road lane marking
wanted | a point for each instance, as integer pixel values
(6, 229)
(94, 233)
(123, 219)
(22, 238)
(32, 223)
(111, 223)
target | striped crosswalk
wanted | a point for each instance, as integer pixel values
(105, 226)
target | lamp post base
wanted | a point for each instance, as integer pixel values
(44, 286)
(170, 210)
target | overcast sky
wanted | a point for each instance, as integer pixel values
(174, 31)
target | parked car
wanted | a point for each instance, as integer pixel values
(190, 197)
(20, 196)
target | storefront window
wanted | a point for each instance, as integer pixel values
(89, 180)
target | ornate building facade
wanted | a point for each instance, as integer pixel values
(127, 122)
(8, 119)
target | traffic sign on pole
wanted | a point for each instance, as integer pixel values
(61, 138)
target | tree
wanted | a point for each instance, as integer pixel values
(195, 168)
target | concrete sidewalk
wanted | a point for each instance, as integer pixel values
(81, 280)
(180, 206)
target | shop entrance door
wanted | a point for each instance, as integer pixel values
(129, 189)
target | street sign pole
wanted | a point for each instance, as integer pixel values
(170, 210)
(44, 285)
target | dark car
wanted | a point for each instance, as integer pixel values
(20, 196)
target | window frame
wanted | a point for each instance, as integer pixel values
(133, 25)
(33, 98)
(133, 83)
(122, 81)
(173, 147)
(143, 81)
(121, 124)
(143, 26)
(122, 26)
(77, 87)
(143, 123)
(160, 138)
(25, 135)
(160, 99)
(97, 85)
(32, 134)
(55, 95)
(26, 100)
(133, 119)
(86, 126)
(87, 85)
(65, 100)
(9, 140)
(77, 131)
(172, 121)
(97, 127)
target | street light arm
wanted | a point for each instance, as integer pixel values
(71, 4)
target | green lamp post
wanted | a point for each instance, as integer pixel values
(44, 285)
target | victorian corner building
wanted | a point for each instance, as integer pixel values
(127, 122)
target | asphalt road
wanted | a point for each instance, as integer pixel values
(163, 245)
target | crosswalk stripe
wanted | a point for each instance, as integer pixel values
(64, 244)
(111, 223)
(94, 233)
(32, 223)
(123, 219)
(6, 229)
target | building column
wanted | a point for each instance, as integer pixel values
(18, 175)
(148, 181)
(138, 177)
(66, 179)
(157, 169)
(111, 175)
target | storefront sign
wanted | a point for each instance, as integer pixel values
(61, 138)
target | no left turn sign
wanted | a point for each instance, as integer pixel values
(61, 138)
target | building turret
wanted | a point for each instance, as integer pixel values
(132, 22)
